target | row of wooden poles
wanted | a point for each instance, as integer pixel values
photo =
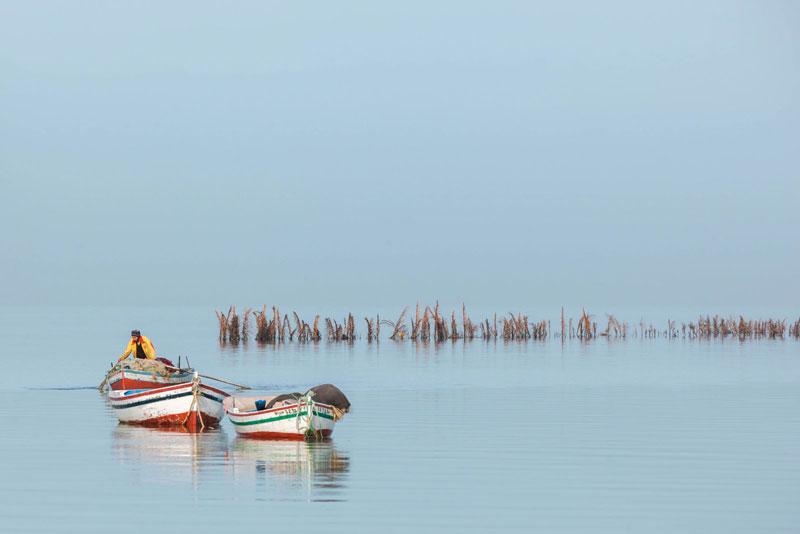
(430, 324)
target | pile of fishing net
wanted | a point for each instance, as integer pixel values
(153, 367)
(159, 367)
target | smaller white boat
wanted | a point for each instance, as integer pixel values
(193, 405)
(288, 416)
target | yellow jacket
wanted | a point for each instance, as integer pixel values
(147, 346)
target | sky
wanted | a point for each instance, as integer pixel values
(377, 153)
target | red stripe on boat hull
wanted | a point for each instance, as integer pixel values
(282, 436)
(127, 383)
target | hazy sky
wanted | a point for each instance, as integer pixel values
(359, 153)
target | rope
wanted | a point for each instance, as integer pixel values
(104, 383)
(195, 406)
(310, 412)
(310, 434)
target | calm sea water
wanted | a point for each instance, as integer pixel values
(636, 436)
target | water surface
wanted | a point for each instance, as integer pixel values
(640, 435)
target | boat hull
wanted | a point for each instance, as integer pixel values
(178, 405)
(285, 423)
(140, 373)
(127, 379)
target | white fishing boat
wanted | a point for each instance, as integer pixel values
(194, 405)
(143, 374)
(288, 416)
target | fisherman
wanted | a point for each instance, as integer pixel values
(140, 347)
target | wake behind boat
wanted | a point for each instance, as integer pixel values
(194, 405)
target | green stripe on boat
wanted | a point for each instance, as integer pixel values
(279, 418)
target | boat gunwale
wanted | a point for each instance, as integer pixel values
(260, 412)
(155, 391)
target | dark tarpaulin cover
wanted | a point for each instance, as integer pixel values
(330, 394)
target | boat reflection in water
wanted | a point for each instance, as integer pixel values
(169, 454)
(290, 470)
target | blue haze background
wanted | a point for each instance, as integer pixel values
(373, 153)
